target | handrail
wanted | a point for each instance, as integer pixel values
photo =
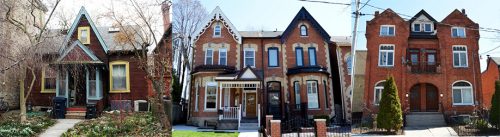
(239, 116)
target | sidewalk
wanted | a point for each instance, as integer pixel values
(422, 132)
(242, 133)
(60, 127)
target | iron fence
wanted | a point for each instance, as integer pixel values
(338, 130)
(298, 127)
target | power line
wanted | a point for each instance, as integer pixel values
(327, 2)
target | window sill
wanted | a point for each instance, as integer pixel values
(463, 105)
(209, 110)
(48, 91)
(119, 91)
(306, 36)
(216, 36)
(313, 108)
(458, 37)
(387, 35)
(456, 67)
(273, 67)
(386, 66)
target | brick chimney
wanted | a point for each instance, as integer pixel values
(463, 12)
(165, 9)
(376, 13)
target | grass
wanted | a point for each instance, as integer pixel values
(185, 133)
(36, 123)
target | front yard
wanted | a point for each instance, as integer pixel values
(38, 122)
(186, 133)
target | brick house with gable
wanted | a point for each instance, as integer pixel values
(488, 78)
(241, 76)
(435, 64)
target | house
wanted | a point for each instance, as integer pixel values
(92, 67)
(435, 64)
(242, 76)
(488, 78)
(359, 85)
(342, 53)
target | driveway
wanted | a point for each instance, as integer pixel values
(423, 132)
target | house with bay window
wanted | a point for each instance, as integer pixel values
(435, 63)
(239, 77)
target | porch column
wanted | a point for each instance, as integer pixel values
(220, 96)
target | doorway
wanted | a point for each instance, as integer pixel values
(274, 99)
(250, 104)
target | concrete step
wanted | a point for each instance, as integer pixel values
(75, 114)
(249, 126)
(425, 119)
(227, 125)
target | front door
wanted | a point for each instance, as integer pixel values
(415, 99)
(431, 99)
(274, 99)
(251, 105)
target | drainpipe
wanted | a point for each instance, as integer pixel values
(263, 75)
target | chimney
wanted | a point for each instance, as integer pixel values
(463, 12)
(165, 9)
(376, 13)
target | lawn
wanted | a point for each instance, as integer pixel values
(36, 123)
(185, 133)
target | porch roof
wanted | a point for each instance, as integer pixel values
(77, 53)
(239, 84)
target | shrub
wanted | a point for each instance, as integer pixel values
(36, 124)
(390, 115)
(480, 124)
(495, 104)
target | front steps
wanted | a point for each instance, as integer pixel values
(425, 119)
(75, 113)
(245, 124)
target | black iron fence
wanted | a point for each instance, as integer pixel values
(298, 127)
(338, 130)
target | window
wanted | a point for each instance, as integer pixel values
(49, 76)
(197, 95)
(249, 57)
(227, 96)
(386, 56)
(458, 32)
(387, 30)
(312, 94)
(217, 30)
(416, 27)
(211, 96)
(303, 30)
(84, 35)
(312, 56)
(459, 56)
(222, 56)
(296, 86)
(349, 64)
(120, 78)
(462, 93)
(427, 27)
(379, 87)
(63, 79)
(299, 57)
(209, 54)
(93, 80)
(273, 57)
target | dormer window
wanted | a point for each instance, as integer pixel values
(428, 27)
(303, 30)
(458, 32)
(217, 30)
(416, 27)
(387, 30)
(84, 35)
(422, 27)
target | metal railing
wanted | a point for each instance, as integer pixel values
(239, 116)
(424, 67)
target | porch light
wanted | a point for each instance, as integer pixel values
(406, 94)
(441, 95)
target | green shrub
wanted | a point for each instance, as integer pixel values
(390, 116)
(35, 124)
(495, 106)
(480, 124)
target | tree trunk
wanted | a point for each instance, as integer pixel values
(22, 101)
(159, 110)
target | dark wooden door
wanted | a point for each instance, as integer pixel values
(431, 98)
(274, 99)
(251, 105)
(415, 98)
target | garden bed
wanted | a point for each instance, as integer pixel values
(126, 124)
(36, 123)
(186, 133)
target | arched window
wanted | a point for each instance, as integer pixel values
(462, 93)
(303, 30)
(217, 30)
(378, 92)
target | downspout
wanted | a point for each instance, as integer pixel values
(263, 76)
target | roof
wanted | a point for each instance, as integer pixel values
(218, 15)
(74, 26)
(54, 40)
(304, 15)
(420, 13)
(114, 45)
(73, 55)
(261, 34)
(496, 60)
(341, 40)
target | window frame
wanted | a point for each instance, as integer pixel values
(217, 28)
(210, 84)
(388, 30)
(431, 27)
(458, 36)
(87, 28)
(127, 74)
(453, 87)
(245, 56)
(459, 59)
(375, 88)
(349, 64)
(211, 56)
(43, 89)
(387, 57)
(419, 27)
(297, 98)
(317, 93)
(269, 57)
(303, 28)
(301, 56)
(225, 50)
(310, 55)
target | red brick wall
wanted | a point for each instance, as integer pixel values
(488, 78)
(94, 45)
(138, 80)
(207, 37)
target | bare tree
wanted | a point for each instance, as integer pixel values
(29, 28)
(187, 18)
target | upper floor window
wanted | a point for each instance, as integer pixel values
(303, 30)
(299, 58)
(349, 64)
(425, 27)
(458, 32)
(416, 27)
(222, 56)
(387, 30)
(459, 56)
(84, 35)
(249, 57)
(273, 57)
(209, 56)
(312, 56)
(377, 94)
(462, 93)
(217, 30)
(120, 78)
(428, 27)
(386, 56)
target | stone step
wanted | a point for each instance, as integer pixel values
(249, 124)
(227, 125)
(75, 115)
(425, 120)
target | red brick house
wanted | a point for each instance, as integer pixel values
(435, 64)
(488, 78)
(241, 76)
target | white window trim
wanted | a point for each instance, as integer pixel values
(317, 94)
(245, 56)
(423, 26)
(413, 27)
(461, 87)
(393, 54)
(381, 26)
(206, 56)
(465, 32)
(225, 50)
(297, 98)
(211, 84)
(220, 30)
(300, 29)
(375, 91)
(466, 56)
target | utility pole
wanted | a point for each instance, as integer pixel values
(353, 47)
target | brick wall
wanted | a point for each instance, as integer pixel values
(488, 78)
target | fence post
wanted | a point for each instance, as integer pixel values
(276, 128)
(320, 127)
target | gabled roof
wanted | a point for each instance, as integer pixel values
(218, 15)
(422, 12)
(74, 26)
(496, 60)
(248, 73)
(304, 15)
(73, 49)
(457, 12)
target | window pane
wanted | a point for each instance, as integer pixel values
(454, 32)
(303, 30)
(312, 56)
(390, 58)
(455, 59)
(391, 31)
(83, 36)
(427, 27)
(383, 31)
(298, 56)
(297, 93)
(416, 27)
(273, 57)
(463, 60)
(312, 96)
(92, 89)
(211, 97)
(377, 95)
(222, 57)
(209, 56)
(249, 61)
(457, 96)
(119, 77)
(62, 83)
(467, 95)
(461, 32)
(217, 30)
(50, 78)
(249, 53)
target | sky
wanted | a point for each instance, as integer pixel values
(254, 15)
(485, 12)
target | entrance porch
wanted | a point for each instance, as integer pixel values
(239, 102)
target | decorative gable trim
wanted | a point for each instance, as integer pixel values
(87, 51)
(304, 15)
(74, 27)
(422, 12)
(218, 15)
(248, 73)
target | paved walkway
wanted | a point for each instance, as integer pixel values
(60, 127)
(424, 132)
(242, 133)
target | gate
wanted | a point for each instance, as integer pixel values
(298, 127)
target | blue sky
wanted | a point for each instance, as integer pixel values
(276, 14)
(485, 12)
